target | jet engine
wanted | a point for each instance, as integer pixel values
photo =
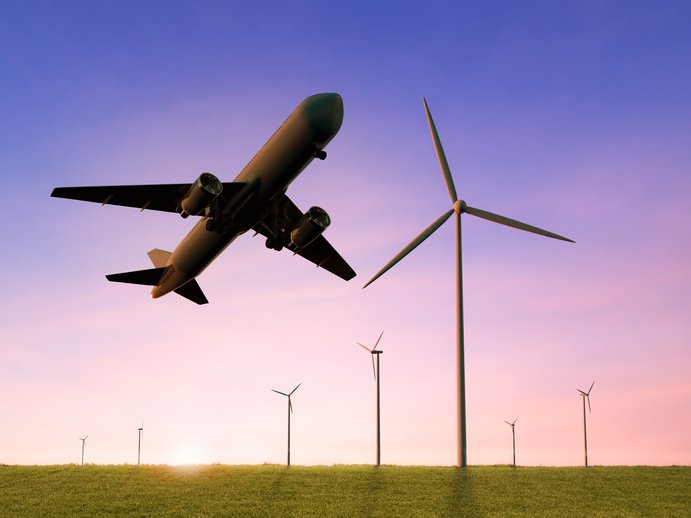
(200, 195)
(310, 227)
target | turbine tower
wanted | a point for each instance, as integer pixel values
(83, 439)
(459, 207)
(374, 352)
(140, 431)
(290, 411)
(513, 432)
(586, 395)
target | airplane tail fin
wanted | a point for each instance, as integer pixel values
(152, 277)
(149, 277)
(159, 257)
(191, 291)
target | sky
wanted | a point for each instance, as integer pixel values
(574, 117)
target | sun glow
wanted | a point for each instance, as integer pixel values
(188, 454)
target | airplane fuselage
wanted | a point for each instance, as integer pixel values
(298, 141)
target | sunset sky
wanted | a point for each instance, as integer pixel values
(571, 116)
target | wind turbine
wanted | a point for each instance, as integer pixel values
(290, 411)
(140, 431)
(83, 439)
(373, 351)
(586, 395)
(459, 207)
(513, 432)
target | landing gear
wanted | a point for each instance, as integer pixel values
(214, 221)
(274, 243)
(215, 224)
(321, 154)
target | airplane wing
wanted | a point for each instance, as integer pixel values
(163, 197)
(319, 251)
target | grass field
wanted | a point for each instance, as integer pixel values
(248, 491)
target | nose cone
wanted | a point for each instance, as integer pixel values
(324, 113)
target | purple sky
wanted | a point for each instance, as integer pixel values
(572, 117)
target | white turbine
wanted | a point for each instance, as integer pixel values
(586, 395)
(83, 439)
(513, 433)
(459, 207)
(374, 352)
(140, 430)
(290, 411)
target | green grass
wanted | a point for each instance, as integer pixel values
(349, 491)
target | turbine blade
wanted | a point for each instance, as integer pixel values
(374, 372)
(448, 179)
(278, 392)
(291, 393)
(290, 406)
(412, 245)
(507, 423)
(513, 223)
(377, 342)
(364, 347)
(589, 409)
(514, 422)
(591, 388)
(583, 393)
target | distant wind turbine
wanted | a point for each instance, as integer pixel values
(459, 207)
(586, 395)
(140, 431)
(513, 432)
(290, 411)
(83, 439)
(374, 352)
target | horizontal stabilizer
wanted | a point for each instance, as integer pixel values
(191, 291)
(146, 277)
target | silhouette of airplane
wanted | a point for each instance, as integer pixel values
(255, 200)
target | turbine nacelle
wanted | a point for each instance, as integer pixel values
(459, 206)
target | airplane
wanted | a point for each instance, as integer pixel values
(255, 200)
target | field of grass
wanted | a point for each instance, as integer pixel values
(349, 491)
